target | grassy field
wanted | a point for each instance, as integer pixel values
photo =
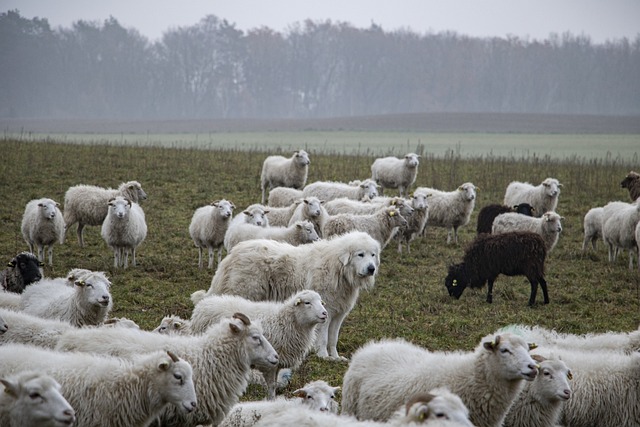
(409, 300)
(517, 146)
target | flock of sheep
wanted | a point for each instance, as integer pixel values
(293, 271)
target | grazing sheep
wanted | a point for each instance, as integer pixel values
(416, 222)
(543, 197)
(278, 171)
(280, 217)
(88, 302)
(332, 190)
(316, 396)
(489, 255)
(336, 268)
(299, 233)
(222, 358)
(382, 225)
(32, 399)
(605, 388)
(451, 209)
(123, 230)
(632, 183)
(548, 226)
(391, 172)
(174, 325)
(110, 391)
(541, 401)
(208, 227)
(88, 204)
(488, 213)
(310, 209)
(382, 374)
(623, 342)
(281, 197)
(289, 326)
(25, 328)
(592, 227)
(42, 226)
(619, 222)
(21, 271)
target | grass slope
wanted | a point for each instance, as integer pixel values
(409, 300)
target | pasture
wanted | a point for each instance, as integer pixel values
(587, 293)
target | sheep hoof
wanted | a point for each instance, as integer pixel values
(489, 299)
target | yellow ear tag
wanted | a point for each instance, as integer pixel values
(570, 375)
(392, 213)
(455, 282)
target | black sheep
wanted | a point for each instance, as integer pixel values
(488, 213)
(632, 183)
(489, 255)
(21, 271)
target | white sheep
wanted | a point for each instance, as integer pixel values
(592, 227)
(25, 328)
(221, 359)
(438, 408)
(32, 399)
(3, 326)
(88, 302)
(280, 217)
(332, 190)
(208, 227)
(541, 401)
(382, 374)
(416, 222)
(543, 197)
(42, 226)
(174, 325)
(278, 171)
(280, 197)
(123, 230)
(10, 300)
(310, 209)
(450, 209)
(299, 233)
(336, 268)
(604, 388)
(316, 396)
(623, 342)
(23, 270)
(255, 214)
(548, 226)
(391, 172)
(344, 205)
(120, 322)
(110, 391)
(88, 204)
(289, 326)
(382, 225)
(619, 221)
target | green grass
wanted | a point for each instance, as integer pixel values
(621, 147)
(409, 300)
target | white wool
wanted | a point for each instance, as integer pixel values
(208, 227)
(332, 190)
(42, 227)
(280, 197)
(592, 227)
(25, 328)
(278, 171)
(548, 226)
(298, 233)
(391, 172)
(381, 225)
(543, 197)
(619, 221)
(123, 230)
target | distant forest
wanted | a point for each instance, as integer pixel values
(311, 70)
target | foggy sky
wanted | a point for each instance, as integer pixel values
(535, 19)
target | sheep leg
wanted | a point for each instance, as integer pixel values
(133, 257)
(631, 254)
(534, 291)
(490, 290)
(50, 254)
(210, 258)
(80, 232)
(40, 249)
(116, 256)
(199, 256)
(545, 294)
(125, 254)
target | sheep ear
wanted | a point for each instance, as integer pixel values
(392, 212)
(247, 213)
(163, 366)
(11, 264)
(300, 393)
(300, 225)
(215, 203)
(559, 185)
(538, 358)
(306, 201)
(569, 375)
(298, 301)
(242, 317)
(532, 346)
(79, 283)
(41, 205)
(177, 325)
(233, 206)
(460, 188)
(344, 258)
(10, 388)
(266, 212)
(477, 188)
(492, 345)
(173, 357)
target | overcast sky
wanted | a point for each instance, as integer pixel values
(599, 19)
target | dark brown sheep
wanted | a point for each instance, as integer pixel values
(21, 271)
(632, 183)
(488, 213)
(489, 255)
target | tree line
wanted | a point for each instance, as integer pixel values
(313, 69)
